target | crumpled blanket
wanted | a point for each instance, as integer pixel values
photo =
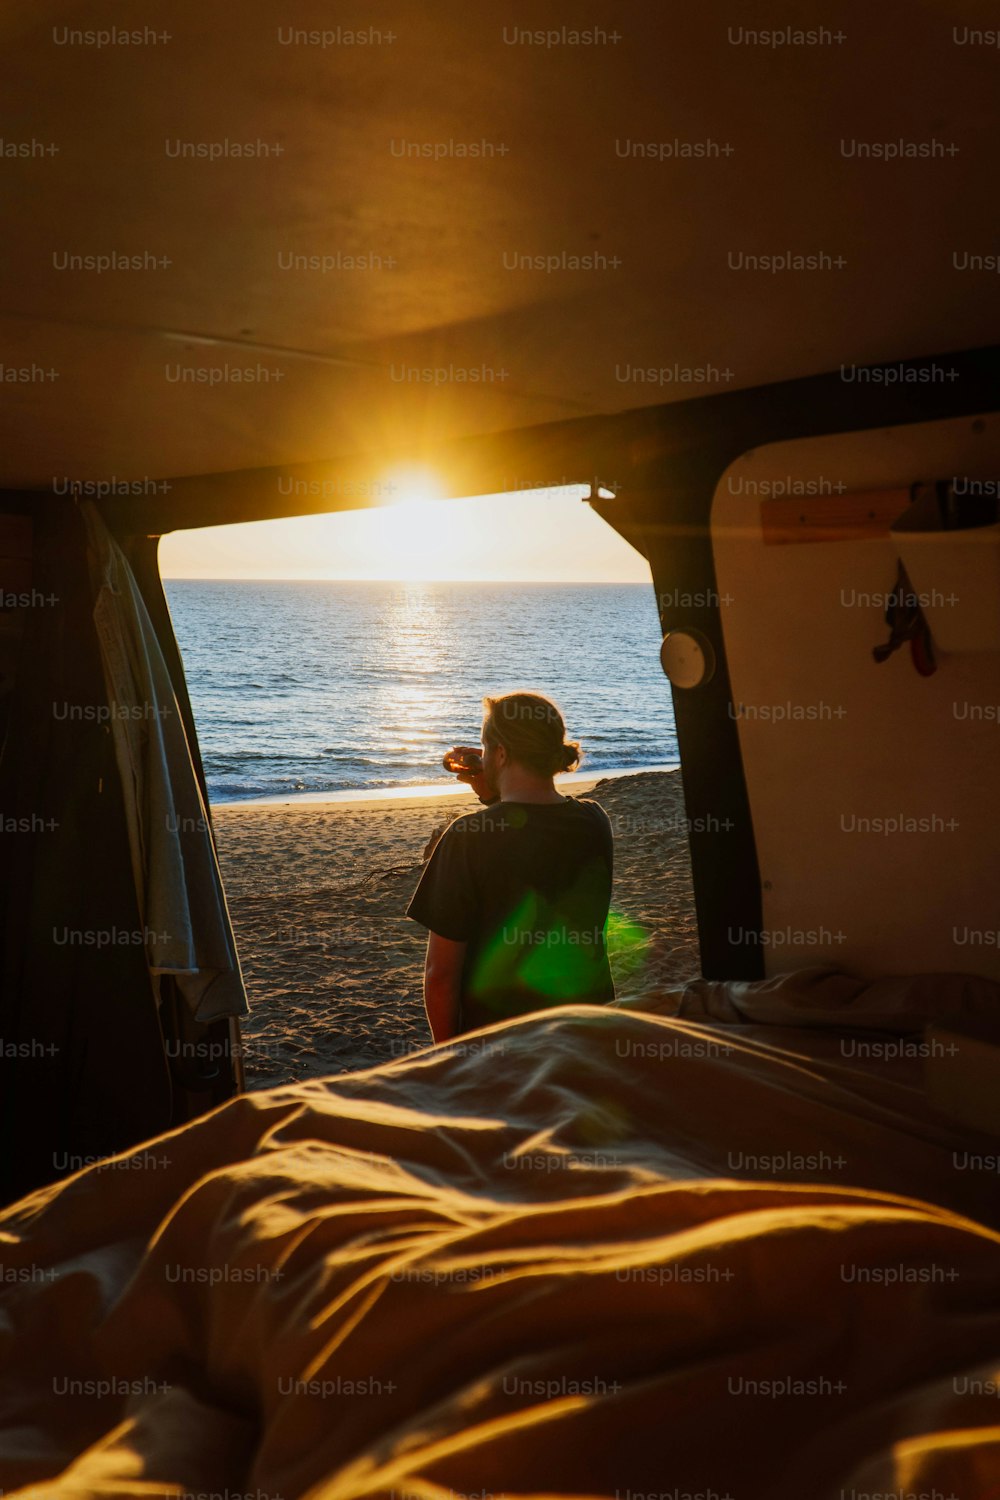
(591, 1252)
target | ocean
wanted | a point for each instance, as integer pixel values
(311, 688)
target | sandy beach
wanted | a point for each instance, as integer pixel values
(317, 892)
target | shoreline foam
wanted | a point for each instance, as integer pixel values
(426, 791)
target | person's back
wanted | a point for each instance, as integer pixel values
(526, 887)
(516, 896)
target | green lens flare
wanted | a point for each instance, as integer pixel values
(550, 959)
(628, 946)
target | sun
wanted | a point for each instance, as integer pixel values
(413, 541)
(416, 537)
(410, 484)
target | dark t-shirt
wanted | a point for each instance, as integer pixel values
(527, 885)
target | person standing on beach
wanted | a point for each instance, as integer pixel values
(516, 897)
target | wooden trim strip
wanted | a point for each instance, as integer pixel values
(856, 516)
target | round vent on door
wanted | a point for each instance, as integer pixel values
(688, 658)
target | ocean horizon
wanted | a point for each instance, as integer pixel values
(326, 688)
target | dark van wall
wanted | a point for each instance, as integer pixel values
(84, 1069)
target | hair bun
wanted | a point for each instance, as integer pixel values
(570, 755)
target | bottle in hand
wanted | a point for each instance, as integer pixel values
(463, 761)
(466, 762)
